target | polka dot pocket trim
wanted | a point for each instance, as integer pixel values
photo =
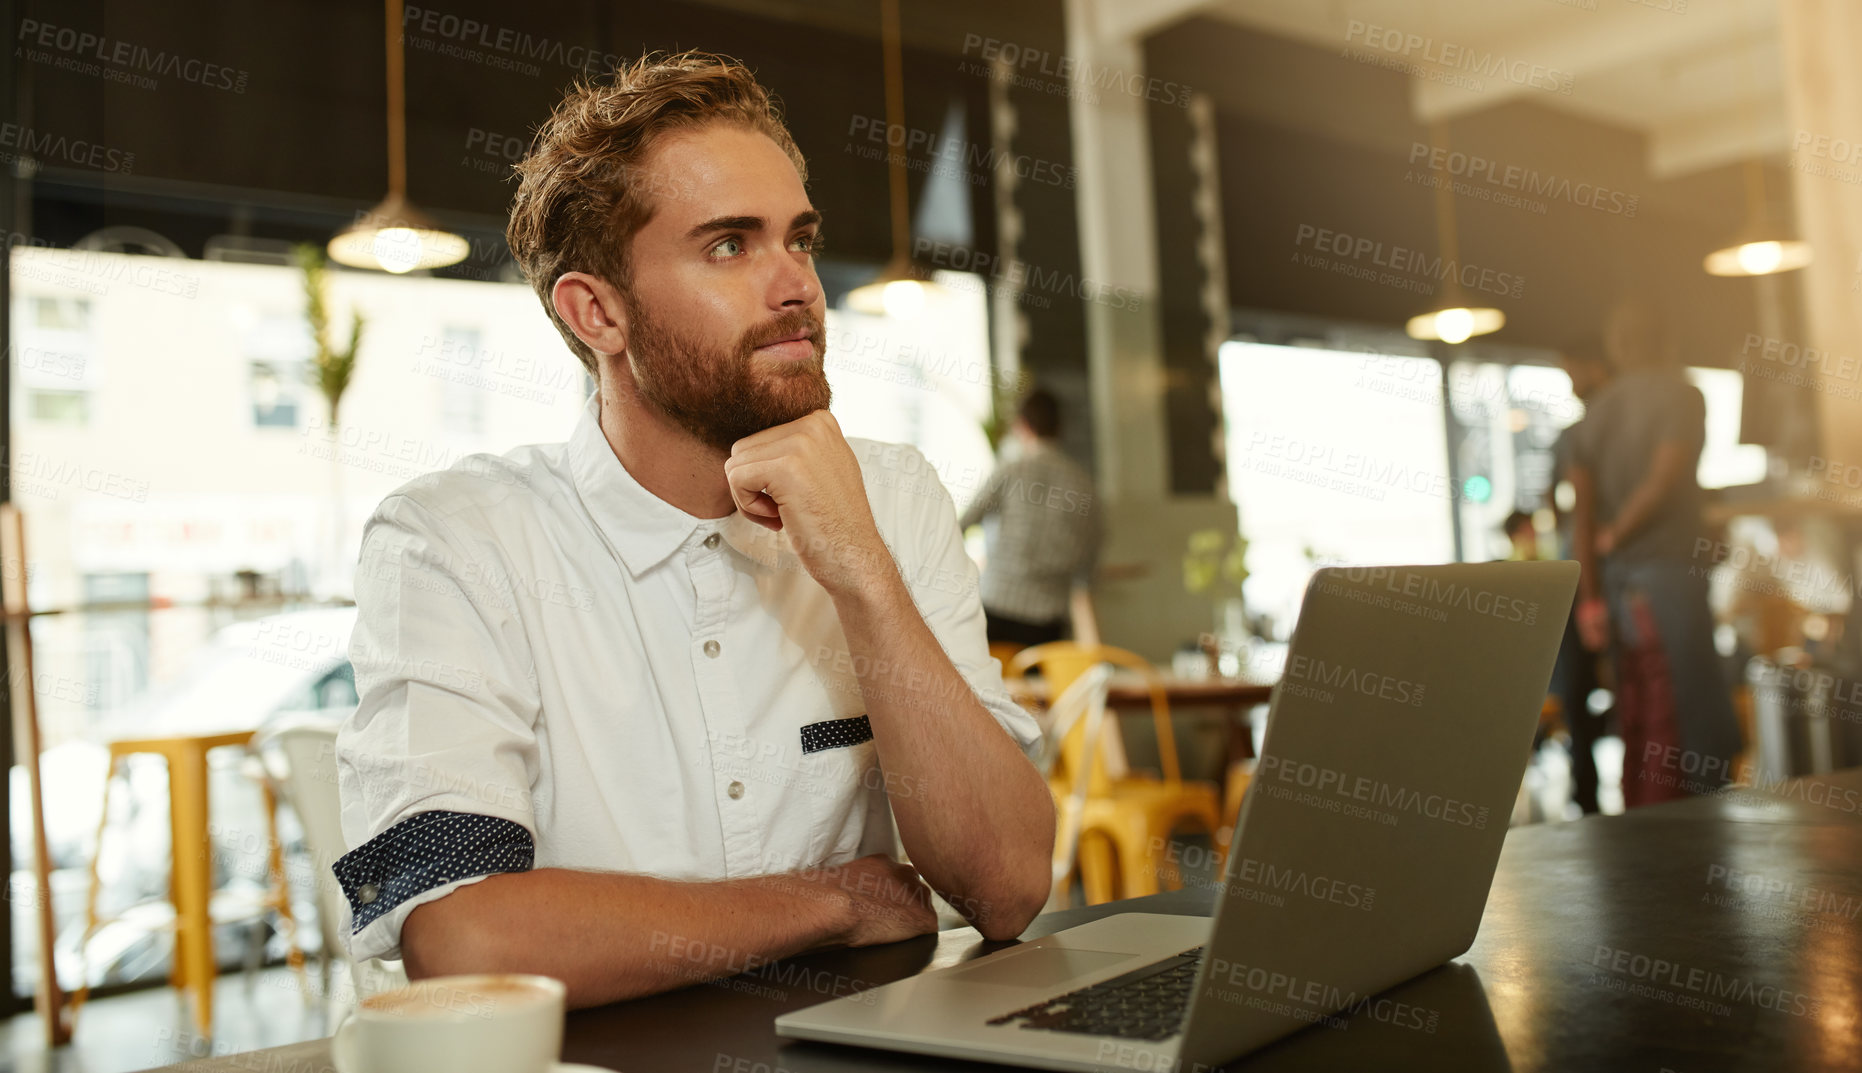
(836, 734)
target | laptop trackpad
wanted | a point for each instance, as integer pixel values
(1041, 966)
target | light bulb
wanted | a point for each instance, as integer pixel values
(904, 298)
(1759, 258)
(1454, 325)
(397, 249)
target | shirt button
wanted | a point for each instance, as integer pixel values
(712, 648)
(711, 541)
(368, 894)
(735, 789)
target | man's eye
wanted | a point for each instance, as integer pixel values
(730, 247)
(810, 244)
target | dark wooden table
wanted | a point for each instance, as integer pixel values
(1666, 939)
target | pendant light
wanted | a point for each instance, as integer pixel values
(1764, 245)
(897, 291)
(395, 235)
(1455, 319)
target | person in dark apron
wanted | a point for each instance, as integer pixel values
(1644, 593)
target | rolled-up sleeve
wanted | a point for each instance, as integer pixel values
(437, 768)
(944, 585)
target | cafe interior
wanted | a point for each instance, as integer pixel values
(1272, 295)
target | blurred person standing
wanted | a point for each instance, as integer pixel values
(1041, 530)
(1522, 538)
(1575, 676)
(1633, 463)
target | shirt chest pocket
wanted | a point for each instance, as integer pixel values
(844, 782)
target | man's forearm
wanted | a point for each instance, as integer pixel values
(612, 936)
(975, 815)
(1667, 468)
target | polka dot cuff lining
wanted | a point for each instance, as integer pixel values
(426, 851)
(835, 734)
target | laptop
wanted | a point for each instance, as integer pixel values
(1395, 746)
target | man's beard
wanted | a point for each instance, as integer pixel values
(722, 397)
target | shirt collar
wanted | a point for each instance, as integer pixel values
(643, 529)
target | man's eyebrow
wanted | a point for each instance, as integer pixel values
(726, 223)
(749, 223)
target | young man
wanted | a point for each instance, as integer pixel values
(642, 707)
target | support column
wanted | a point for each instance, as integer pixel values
(1141, 601)
(1823, 94)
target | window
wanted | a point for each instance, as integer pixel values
(278, 350)
(462, 394)
(1333, 458)
(61, 407)
(925, 380)
(1725, 461)
(207, 469)
(54, 361)
(274, 399)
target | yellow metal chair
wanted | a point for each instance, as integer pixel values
(191, 880)
(1004, 651)
(1124, 822)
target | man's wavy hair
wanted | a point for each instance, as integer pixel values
(583, 191)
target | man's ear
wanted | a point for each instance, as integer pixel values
(593, 310)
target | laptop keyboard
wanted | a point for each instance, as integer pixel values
(1146, 1003)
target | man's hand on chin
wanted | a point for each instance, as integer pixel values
(803, 479)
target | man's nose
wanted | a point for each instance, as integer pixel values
(796, 284)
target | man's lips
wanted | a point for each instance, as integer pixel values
(796, 345)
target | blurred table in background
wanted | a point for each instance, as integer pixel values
(1130, 694)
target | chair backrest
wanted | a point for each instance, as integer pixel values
(300, 758)
(1078, 712)
(1061, 663)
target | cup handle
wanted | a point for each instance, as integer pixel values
(343, 1044)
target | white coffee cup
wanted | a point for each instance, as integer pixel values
(488, 1023)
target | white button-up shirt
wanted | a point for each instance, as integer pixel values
(559, 669)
